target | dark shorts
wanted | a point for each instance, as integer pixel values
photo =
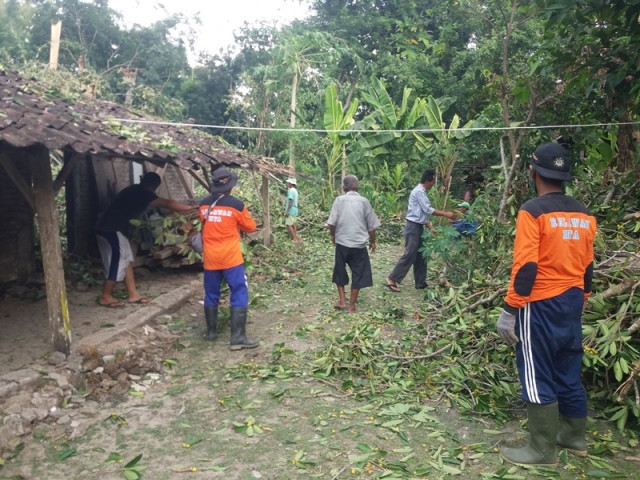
(358, 261)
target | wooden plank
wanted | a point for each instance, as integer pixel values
(151, 262)
(171, 262)
(163, 253)
(44, 197)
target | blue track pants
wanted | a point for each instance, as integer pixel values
(549, 353)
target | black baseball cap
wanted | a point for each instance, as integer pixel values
(551, 160)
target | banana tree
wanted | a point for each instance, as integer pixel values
(445, 149)
(336, 122)
(390, 130)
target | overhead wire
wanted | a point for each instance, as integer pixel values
(416, 130)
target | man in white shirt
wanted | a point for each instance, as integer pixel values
(352, 222)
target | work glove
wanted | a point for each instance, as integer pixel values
(506, 327)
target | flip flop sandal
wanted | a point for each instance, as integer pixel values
(393, 287)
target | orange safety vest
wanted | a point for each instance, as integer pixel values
(553, 249)
(221, 233)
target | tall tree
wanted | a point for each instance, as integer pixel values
(298, 56)
(336, 121)
(600, 61)
(15, 21)
(89, 31)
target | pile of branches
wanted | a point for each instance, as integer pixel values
(165, 240)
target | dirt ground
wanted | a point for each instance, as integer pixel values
(25, 337)
(210, 413)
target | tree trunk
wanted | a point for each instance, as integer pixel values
(45, 204)
(623, 161)
(266, 210)
(294, 105)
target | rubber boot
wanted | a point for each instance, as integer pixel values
(543, 430)
(571, 432)
(238, 321)
(211, 316)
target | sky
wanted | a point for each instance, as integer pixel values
(219, 18)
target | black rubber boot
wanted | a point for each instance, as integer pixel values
(238, 321)
(571, 432)
(211, 316)
(543, 430)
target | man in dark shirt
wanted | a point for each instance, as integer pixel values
(113, 229)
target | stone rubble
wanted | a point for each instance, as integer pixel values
(62, 396)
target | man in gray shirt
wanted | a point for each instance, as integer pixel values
(352, 222)
(419, 212)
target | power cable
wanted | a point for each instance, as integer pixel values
(418, 130)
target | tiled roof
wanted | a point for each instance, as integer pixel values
(29, 116)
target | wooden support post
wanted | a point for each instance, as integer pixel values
(202, 180)
(266, 209)
(70, 162)
(45, 206)
(187, 188)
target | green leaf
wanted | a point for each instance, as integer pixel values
(113, 458)
(131, 475)
(363, 447)
(359, 459)
(69, 452)
(133, 461)
(617, 371)
(434, 118)
(451, 470)
(598, 474)
(624, 366)
(380, 98)
(392, 423)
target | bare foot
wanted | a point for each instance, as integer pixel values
(140, 300)
(353, 310)
(114, 304)
(339, 306)
(110, 302)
